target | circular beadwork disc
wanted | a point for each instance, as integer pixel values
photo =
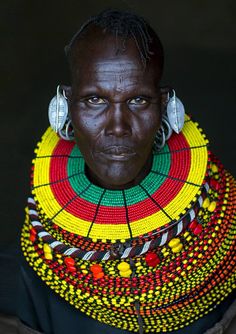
(68, 198)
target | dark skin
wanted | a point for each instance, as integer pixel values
(115, 107)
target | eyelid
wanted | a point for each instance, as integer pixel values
(144, 98)
(97, 97)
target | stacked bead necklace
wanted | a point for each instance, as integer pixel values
(152, 258)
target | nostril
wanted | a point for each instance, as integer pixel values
(118, 129)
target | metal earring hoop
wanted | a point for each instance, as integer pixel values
(162, 135)
(67, 133)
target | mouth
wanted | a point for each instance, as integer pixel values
(119, 153)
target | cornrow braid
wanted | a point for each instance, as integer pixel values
(125, 25)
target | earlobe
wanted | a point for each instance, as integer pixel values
(165, 91)
(68, 91)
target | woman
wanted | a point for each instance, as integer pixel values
(131, 218)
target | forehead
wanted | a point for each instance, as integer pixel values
(101, 53)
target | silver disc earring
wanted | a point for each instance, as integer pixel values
(175, 112)
(58, 115)
(58, 110)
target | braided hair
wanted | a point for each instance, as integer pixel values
(125, 25)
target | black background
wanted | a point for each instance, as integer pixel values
(199, 41)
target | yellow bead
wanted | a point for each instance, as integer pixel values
(165, 254)
(174, 242)
(186, 234)
(126, 273)
(214, 168)
(177, 249)
(206, 203)
(123, 266)
(212, 206)
(48, 256)
(47, 248)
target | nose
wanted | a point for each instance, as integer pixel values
(118, 120)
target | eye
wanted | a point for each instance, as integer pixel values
(96, 100)
(139, 100)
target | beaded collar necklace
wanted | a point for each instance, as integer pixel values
(130, 258)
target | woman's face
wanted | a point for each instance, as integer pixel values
(115, 110)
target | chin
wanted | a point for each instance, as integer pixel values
(119, 177)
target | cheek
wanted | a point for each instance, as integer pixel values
(150, 124)
(86, 125)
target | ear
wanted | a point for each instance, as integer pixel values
(68, 91)
(165, 92)
(164, 97)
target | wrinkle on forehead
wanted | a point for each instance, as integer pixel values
(96, 63)
(119, 74)
(114, 65)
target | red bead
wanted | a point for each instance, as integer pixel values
(96, 269)
(153, 263)
(150, 257)
(99, 276)
(33, 231)
(193, 224)
(197, 229)
(32, 237)
(214, 184)
(69, 261)
(71, 268)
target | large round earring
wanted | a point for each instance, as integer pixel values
(58, 114)
(163, 134)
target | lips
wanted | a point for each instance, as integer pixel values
(118, 150)
(120, 153)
